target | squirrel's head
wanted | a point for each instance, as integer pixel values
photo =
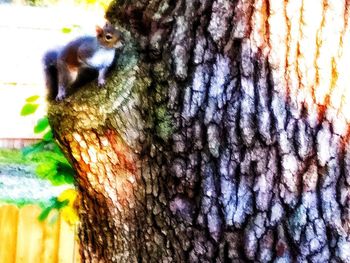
(109, 36)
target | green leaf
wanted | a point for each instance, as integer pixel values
(56, 148)
(59, 205)
(58, 180)
(54, 204)
(65, 172)
(46, 170)
(64, 168)
(44, 213)
(69, 179)
(32, 98)
(48, 136)
(55, 171)
(41, 125)
(66, 30)
(29, 108)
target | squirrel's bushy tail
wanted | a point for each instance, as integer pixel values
(50, 73)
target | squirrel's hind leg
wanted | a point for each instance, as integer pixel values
(66, 76)
(50, 73)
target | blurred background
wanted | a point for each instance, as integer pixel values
(27, 30)
(37, 195)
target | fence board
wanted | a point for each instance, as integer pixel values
(51, 240)
(66, 242)
(24, 239)
(8, 233)
(16, 143)
(29, 235)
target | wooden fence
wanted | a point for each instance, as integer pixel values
(16, 143)
(24, 239)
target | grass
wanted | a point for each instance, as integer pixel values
(13, 156)
(16, 157)
(14, 164)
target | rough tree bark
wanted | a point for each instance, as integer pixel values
(222, 136)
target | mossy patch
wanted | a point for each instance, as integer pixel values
(164, 125)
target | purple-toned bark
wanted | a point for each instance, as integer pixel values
(222, 135)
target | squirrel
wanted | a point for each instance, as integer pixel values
(81, 58)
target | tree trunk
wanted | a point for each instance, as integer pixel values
(222, 135)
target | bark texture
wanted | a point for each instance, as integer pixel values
(222, 135)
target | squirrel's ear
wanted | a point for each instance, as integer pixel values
(99, 30)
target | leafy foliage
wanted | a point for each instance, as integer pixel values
(66, 30)
(63, 203)
(32, 99)
(29, 108)
(51, 165)
(54, 204)
(42, 125)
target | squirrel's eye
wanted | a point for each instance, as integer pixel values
(108, 37)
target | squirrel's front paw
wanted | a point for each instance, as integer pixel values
(101, 82)
(59, 98)
(61, 95)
